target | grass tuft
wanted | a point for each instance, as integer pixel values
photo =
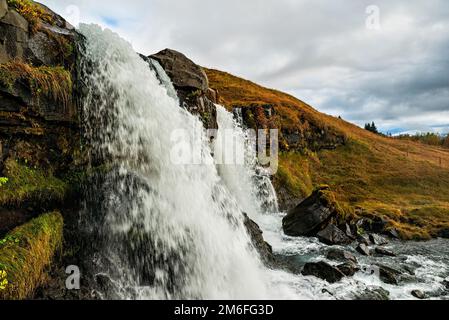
(55, 83)
(25, 254)
(32, 12)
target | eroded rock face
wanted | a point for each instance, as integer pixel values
(311, 215)
(39, 126)
(191, 84)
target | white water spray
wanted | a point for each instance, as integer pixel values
(173, 231)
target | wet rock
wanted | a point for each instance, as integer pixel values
(191, 84)
(363, 249)
(348, 268)
(388, 275)
(377, 239)
(378, 294)
(393, 233)
(364, 239)
(418, 294)
(341, 255)
(263, 248)
(375, 225)
(446, 284)
(310, 215)
(444, 233)
(384, 252)
(349, 232)
(183, 72)
(331, 235)
(323, 271)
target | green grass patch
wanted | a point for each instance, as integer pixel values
(30, 184)
(32, 12)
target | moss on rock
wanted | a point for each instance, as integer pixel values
(30, 184)
(26, 252)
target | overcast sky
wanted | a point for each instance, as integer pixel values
(345, 58)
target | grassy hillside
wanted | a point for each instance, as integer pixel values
(405, 182)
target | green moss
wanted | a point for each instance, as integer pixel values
(27, 253)
(32, 184)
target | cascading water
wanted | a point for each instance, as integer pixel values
(160, 229)
(167, 230)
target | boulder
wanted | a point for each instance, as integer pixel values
(418, 294)
(341, 255)
(331, 235)
(263, 248)
(191, 84)
(363, 249)
(384, 252)
(389, 275)
(377, 294)
(348, 268)
(323, 271)
(377, 239)
(363, 238)
(183, 72)
(392, 233)
(311, 215)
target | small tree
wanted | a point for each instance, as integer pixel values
(371, 127)
(446, 142)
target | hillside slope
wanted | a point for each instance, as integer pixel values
(404, 182)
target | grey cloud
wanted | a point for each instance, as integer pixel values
(318, 50)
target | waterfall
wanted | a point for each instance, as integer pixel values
(162, 230)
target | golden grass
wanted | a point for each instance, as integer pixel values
(32, 12)
(25, 254)
(55, 83)
(405, 182)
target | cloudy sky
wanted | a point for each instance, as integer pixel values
(379, 60)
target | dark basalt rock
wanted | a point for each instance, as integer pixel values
(341, 255)
(311, 215)
(389, 275)
(348, 268)
(418, 294)
(363, 249)
(378, 294)
(323, 271)
(191, 84)
(331, 235)
(263, 248)
(384, 252)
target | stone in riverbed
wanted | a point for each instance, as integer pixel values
(388, 275)
(377, 240)
(363, 249)
(418, 294)
(348, 268)
(311, 215)
(331, 235)
(323, 271)
(341, 255)
(379, 294)
(384, 252)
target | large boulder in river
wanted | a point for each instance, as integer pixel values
(311, 215)
(331, 235)
(323, 271)
(191, 84)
